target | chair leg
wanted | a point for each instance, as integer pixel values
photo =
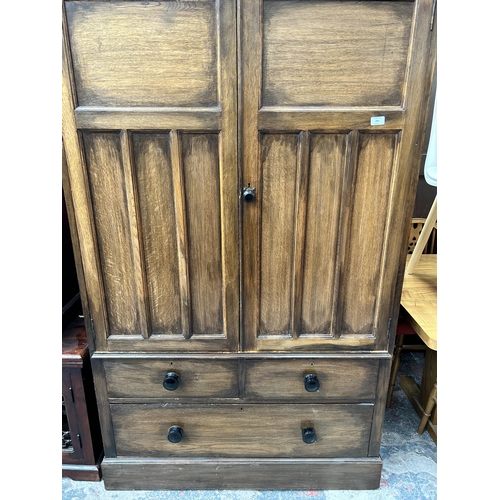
(394, 368)
(431, 402)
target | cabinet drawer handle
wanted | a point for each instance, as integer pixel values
(171, 381)
(308, 435)
(311, 382)
(175, 434)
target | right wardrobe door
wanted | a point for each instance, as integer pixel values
(333, 98)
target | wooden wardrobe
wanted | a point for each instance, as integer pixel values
(243, 174)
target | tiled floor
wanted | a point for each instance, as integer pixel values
(409, 472)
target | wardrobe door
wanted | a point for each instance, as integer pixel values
(150, 131)
(332, 108)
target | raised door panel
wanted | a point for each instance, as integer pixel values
(151, 142)
(333, 53)
(331, 115)
(134, 53)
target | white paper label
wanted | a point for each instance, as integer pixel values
(377, 120)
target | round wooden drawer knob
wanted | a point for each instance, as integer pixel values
(308, 435)
(311, 382)
(175, 434)
(171, 381)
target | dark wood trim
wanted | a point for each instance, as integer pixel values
(261, 474)
(94, 118)
(379, 408)
(83, 472)
(103, 406)
(228, 356)
(345, 119)
(75, 241)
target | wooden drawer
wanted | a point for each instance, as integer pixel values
(339, 379)
(144, 378)
(246, 430)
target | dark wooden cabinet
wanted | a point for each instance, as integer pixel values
(82, 449)
(243, 174)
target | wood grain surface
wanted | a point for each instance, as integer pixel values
(419, 299)
(164, 35)
(152, 158)
(157, 159)
(328, 257)
(171, 108)
(143, 378)
(244, 430)
(109, 199)
(334, 53)
(342, 379)
(364, 234)
(232, 474)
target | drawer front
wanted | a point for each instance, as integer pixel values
(327, 379)
(247, 430)
(145, 377)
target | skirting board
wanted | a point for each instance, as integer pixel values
(237, 474)
(82, 472)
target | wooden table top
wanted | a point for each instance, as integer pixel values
(419, 298)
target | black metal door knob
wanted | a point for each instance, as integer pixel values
(248, 194)
(171, 381)
(308, 435)
(175, 434)
(311, 382)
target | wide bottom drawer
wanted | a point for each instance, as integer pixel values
(245, 430)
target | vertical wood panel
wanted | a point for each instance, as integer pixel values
(359, 281)
(138, 273)
(181, 232)
(229, 168)
(202, 188)
(300, 230)
(379, 407)
(279, 170)
(326, 181)
(107, 187)
(249, 98)
(156, 204)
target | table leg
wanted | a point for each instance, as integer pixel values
(419, 396)
(429, 378)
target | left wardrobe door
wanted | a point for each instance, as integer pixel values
(150, 132)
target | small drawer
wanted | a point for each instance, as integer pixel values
(334, 379)
(171, 378)
(246, 430)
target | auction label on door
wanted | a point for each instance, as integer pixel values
(377, 120)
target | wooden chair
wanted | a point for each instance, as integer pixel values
(404, 329)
